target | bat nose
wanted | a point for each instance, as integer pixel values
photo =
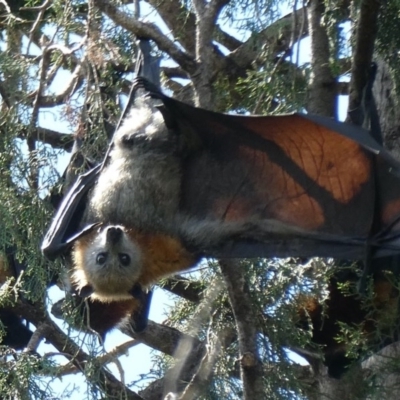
(114, 234)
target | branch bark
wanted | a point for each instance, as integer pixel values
(242, 306)
(111, 386)
(206, 16)
(160, 337)
(147, 30)
(188, 289)
(367, 28)
(322, 89)
(55, 139)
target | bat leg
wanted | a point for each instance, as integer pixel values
(140, 316)
(153, 91)
(367, 271)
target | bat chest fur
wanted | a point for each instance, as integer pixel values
(140, 191)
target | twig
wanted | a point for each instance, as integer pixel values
(201, 378)
(173, 378)
(111, 386)
(42, 9)
(36, 338)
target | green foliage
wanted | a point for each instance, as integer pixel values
(274, 83)
(25, 376)
(237, 14)
(275, 288)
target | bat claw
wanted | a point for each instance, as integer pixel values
(142, 83)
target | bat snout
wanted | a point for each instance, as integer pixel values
(114, 234)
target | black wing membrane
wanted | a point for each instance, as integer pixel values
(64, 228)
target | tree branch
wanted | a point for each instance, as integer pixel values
(322, 90)
(55, 139)
(179, 20)
(160, 337)
(206, 15)
(188, 289)
(147, 30)
(174, 72)
(242, 306)
(71, 87)
(367, 28)
(230, 42)
(111, 386)
(276, 37)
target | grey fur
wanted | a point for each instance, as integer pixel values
(140, 185)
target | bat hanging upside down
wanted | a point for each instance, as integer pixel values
(179, 183)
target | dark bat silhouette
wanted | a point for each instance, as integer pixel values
(249, 186)
(376, 316)
(16, 333)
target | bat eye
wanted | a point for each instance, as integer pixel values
(101, 258)
(124, 259)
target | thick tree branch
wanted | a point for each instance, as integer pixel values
(230, 42)
(206, 16)
(276, 37)
(111, 385)
(160, 337)
(179, 20)
(242, 306)
(367, 28)
(188, 289)
(322, 90)
(174, 72)
(147, 30)
(55, 139)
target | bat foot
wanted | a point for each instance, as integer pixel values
(153, 91)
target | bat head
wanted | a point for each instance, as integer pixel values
(107, 264)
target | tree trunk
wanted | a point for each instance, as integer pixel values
(387, 103)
